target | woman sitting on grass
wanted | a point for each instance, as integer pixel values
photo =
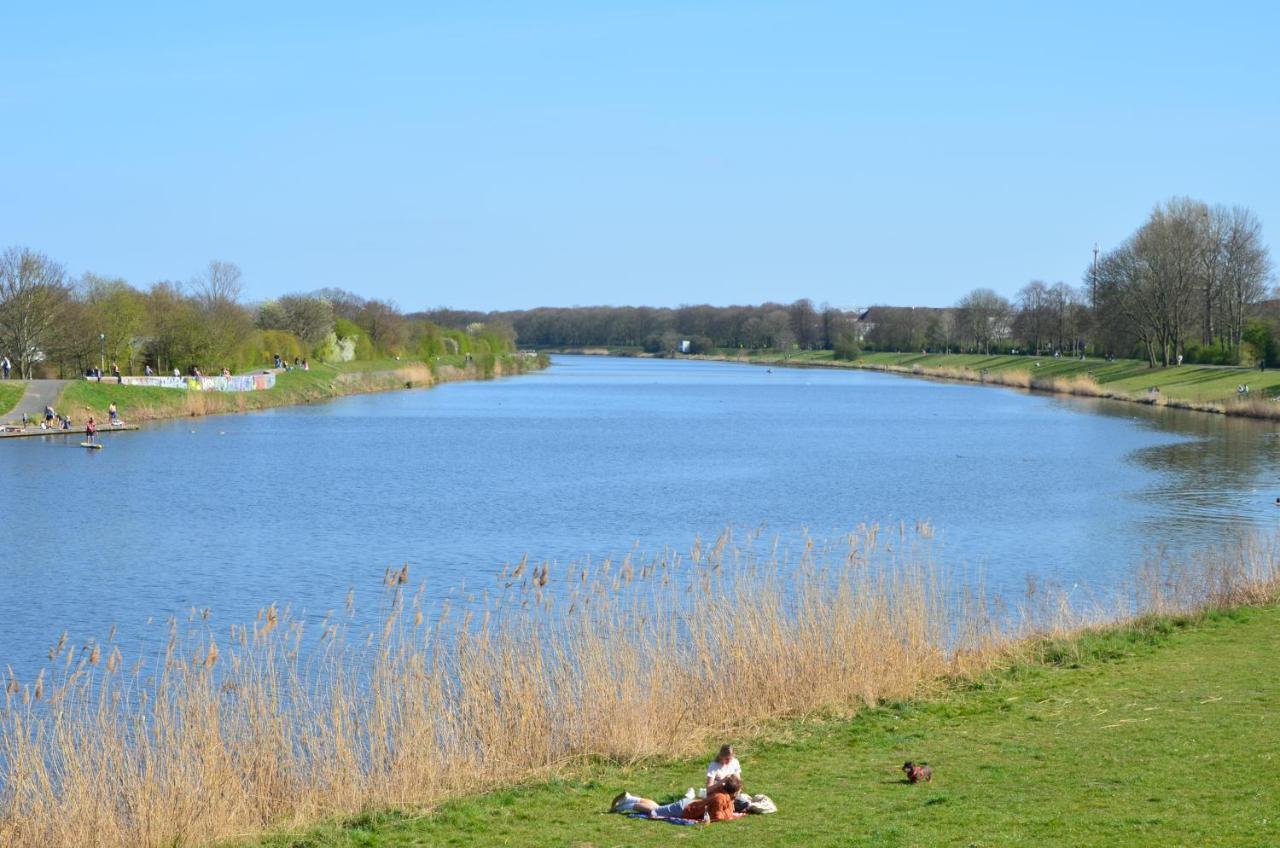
(725, 764)
(717, 806)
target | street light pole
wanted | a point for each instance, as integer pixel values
(1095, 278)
(102, 360)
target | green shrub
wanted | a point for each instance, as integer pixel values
(282, 342)
(846, 347)
(1214, 354)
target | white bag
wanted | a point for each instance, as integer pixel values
(762, 804)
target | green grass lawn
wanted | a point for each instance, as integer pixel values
(10, 393)
(1163, 735)
(81, 394)
(322, 382)
(141, 402)
(1199, 383)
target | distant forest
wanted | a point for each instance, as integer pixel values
(1193, 282)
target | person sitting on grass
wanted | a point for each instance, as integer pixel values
(717, 806)
(725, 764)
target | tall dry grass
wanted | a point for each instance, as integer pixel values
(276, 723)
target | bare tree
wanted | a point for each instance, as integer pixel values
(386, 326)
(1168, 247)
(1032, 320)
(940, 331)
(220, 285)
(225, 325)
(308, 318)
(983, 317)
(1125, 294)
(1246, 268)
(33, 292)
(1209, 246)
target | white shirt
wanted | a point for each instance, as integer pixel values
(716, 771)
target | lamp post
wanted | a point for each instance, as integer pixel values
(102, 347)
(1095, 278)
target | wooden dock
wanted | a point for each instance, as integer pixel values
(15, 431)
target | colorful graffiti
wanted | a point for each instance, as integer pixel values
(241, 383)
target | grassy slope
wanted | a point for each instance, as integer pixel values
(1188, 382)
(10, 394)
(322, 382)
(1159, 736)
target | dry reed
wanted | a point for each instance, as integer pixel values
(273, 725)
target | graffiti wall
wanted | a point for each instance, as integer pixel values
(241, 383)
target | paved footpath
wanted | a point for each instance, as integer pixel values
(39, 394)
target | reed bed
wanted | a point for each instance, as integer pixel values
(279, 723)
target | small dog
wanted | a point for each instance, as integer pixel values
(917, 772)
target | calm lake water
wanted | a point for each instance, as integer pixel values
(591, 458)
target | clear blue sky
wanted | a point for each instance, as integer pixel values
(491, 155)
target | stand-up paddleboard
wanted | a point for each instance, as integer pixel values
(91, 445)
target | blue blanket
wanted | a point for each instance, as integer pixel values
(668, 821)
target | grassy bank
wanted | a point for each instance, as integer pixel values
(322, 382)
(10, 393)
(549, 670)
(1154, 733)
(1203, 388)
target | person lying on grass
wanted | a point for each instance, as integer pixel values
(717, 806)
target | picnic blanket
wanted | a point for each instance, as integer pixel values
(668, 821)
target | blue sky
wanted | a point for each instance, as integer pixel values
(487, 155)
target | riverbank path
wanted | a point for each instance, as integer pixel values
(39, 394)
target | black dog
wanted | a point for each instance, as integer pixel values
(917, 772)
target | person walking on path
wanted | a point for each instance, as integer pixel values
(6, 366)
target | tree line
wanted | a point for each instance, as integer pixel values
(1190, 284)
(53, 324)
(662, 329)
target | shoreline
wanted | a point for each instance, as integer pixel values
(140, 404)
(1258, 407)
